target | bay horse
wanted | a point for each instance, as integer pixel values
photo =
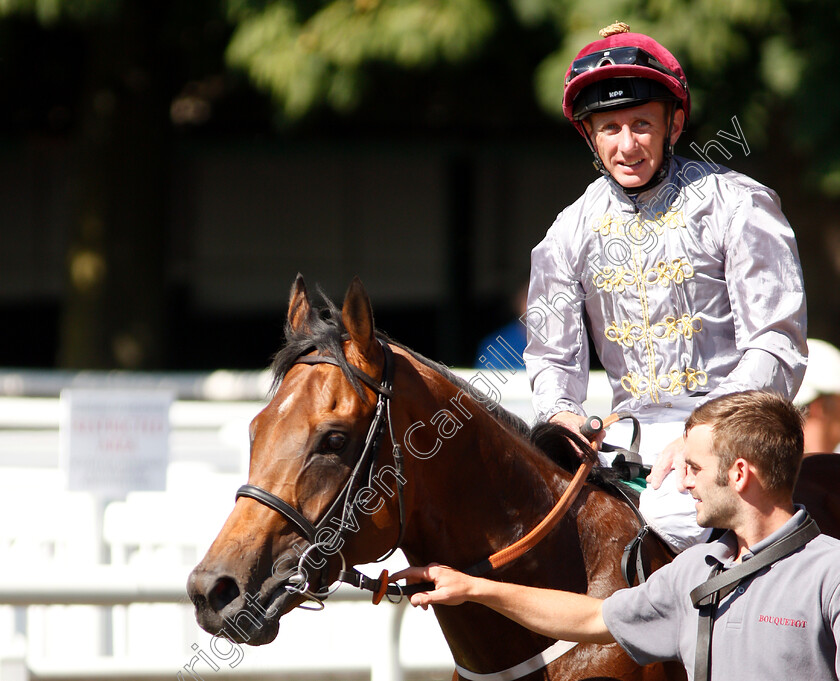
(330, 487)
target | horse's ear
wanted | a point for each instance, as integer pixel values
(357, 316)
(299, 306)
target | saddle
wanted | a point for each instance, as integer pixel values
(624, 479)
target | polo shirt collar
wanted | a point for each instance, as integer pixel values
(798, 519)
(723, 551)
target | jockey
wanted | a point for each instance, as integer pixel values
(684, 274)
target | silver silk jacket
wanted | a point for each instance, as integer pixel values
(691, 290)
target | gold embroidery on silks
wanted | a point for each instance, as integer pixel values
(674, 382)
(604, 224)
(686, 326)
(673, 219)
(609, 224)
(651, 356)
(695, 378)
(690, 379)
(663, 273)
(635, 384)
(671, 329)
(628, 334)
(615, 279)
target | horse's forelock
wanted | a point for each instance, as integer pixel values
(323, 331)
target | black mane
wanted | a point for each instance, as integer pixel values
(322, 331)
(507, 419)
(561, 445)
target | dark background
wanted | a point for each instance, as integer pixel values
(156, 206)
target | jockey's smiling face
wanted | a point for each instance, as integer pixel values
(631, 142)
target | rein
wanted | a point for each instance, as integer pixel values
(510, 553)
(591, 428)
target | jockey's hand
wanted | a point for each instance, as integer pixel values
(451, 587)
(671, 458)
(574, 422)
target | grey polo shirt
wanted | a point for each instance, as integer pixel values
(780, 623)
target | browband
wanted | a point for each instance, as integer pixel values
(358, 373)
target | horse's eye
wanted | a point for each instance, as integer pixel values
(335, 442)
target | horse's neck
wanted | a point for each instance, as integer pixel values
(481, 491)
(484, 486)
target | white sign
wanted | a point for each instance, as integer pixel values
(115, 441)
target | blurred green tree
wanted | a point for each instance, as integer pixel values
(755, 59)
(770, 63)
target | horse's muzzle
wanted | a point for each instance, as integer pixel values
(224, 608)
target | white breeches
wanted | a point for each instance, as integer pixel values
(670, 513)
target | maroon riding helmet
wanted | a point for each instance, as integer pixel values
(619, 71)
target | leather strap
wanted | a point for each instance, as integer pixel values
(275, 503)
(379, 388)
(510, 553)
(632, 561)
(341, 507)
(706, 596)
(361, 581)
(515, 550)
(532, 664)
(628, 462)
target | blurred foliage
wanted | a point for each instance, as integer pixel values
(769, 62)
(305, 55)
(52, 11)
(121, 78)
(766, 61)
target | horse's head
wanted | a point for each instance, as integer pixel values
(309, 505)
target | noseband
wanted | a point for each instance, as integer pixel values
(343, 503)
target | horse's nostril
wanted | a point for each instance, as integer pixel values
(224, 591)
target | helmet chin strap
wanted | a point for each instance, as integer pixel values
(658, 176)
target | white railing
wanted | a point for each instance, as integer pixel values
(64, 615)
(113, 586)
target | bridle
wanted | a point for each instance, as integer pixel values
(342, 506)
(365, 466)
